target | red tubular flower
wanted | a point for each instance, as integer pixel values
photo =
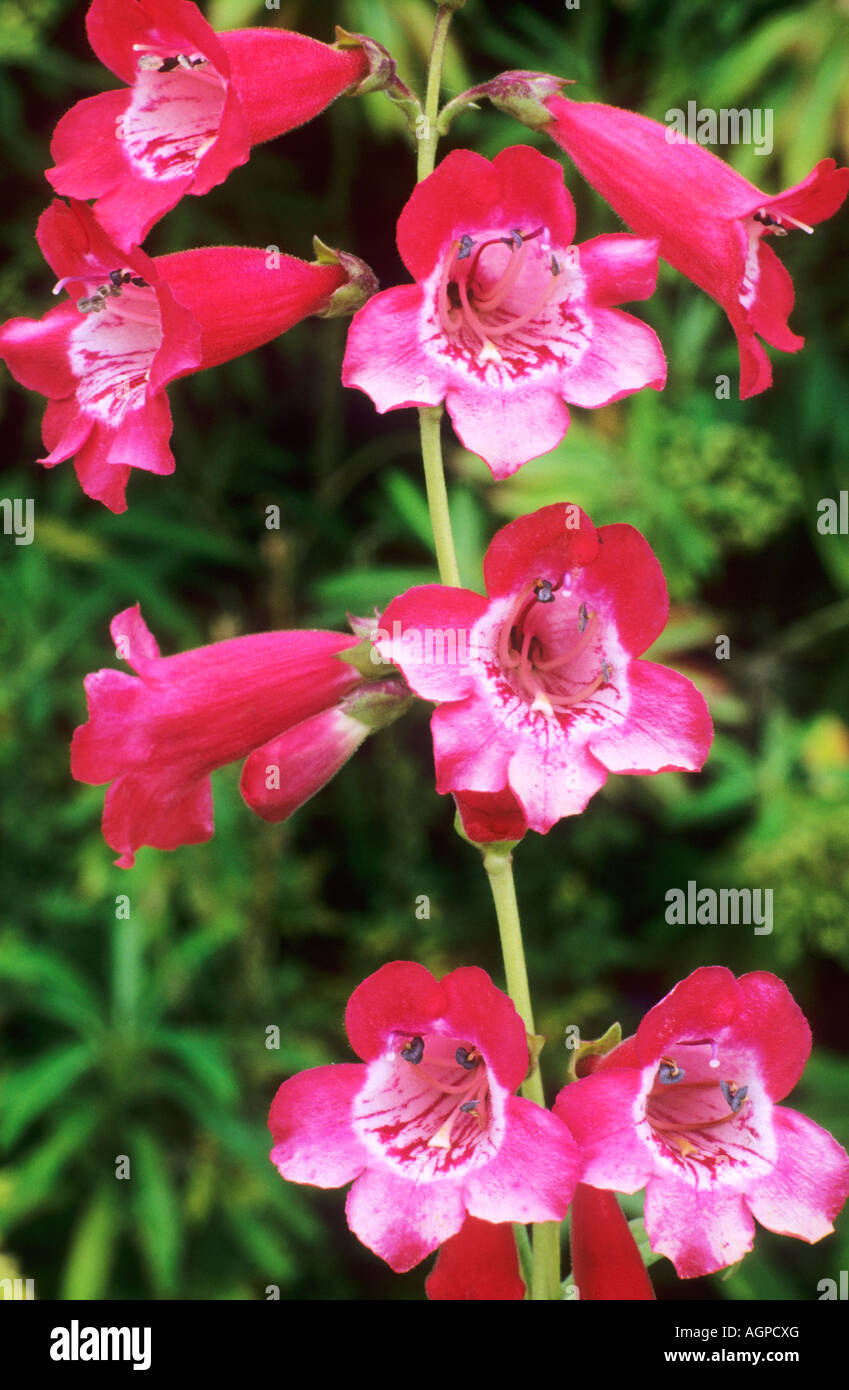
(711, 222)
(157, 736)
(135, 324)
(687, 1108)
(426, 1126)
(195, 104)
(479, 1263)
(508, 320)
(539, 689)
(606, 1263)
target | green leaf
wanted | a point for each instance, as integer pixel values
(202, 1055)
(156, 1211)
(89, 1260)
(410, 505)
(32, 1090)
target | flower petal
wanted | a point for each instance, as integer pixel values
(533, 1175)
(400, 1220)
(700, 1231)
(310, 1122)
(809, 1183)
(667, 725)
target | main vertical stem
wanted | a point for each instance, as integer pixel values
(430, 420)
(429, 136)
(498, 862)
(545, 1273)
(430, 417)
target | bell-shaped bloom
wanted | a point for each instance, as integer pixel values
(507, 320)
(131, 326)
(480, 1263)
(426, 1126)
(687, 1108)
(157, 736)
(606, 1262)
(540, 692)
(712, 223)
(195, 103)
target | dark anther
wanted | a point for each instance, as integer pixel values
(469, 1105)
(116, 276)
(413, 1051)
(583, 618)
(466, 244)
(606, 671)
(734, 1095)
(514, 239)
(544, 590)
(767, 219)
(669, 1072)
(467, 1057)
(137, 280)
(555, 266)
(168, 64)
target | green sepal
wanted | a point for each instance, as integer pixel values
(378, 706)
(382, 75)
(361, 285)
(598, 1047)
(521, 94)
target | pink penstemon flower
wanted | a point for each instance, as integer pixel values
(508, 320)
(286, 702)
(688, 1108)
(713, 225)
(134, 324)
(426, 1126)
(195, 104)
(539, 689)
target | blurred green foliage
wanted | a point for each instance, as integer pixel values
(146, 1035)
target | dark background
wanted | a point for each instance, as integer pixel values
(147, 1036)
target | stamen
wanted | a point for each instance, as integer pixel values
(468, 1057)
(669, 1071)
(466, 244)
(803, 226)
(544, 590)
(734, 1094)
(469, 1105)
(413, 1051)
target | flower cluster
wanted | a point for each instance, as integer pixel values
(441, 1153)
(542, 686)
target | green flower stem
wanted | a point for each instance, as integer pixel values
(498, 862)
(545, 1273)
(430, 135)
(430, 420)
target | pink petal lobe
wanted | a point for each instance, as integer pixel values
(624, 355)
(809, 1183)
(507, 427)
(385, 357)
(427, 633)
(667, 725)
(554, 539)
(603, 1113)
(700, 1230)
(401, 996)
(310, 1123)
(771, 1018)
(400, 1220)
(533, 1175)
(706, 1001)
